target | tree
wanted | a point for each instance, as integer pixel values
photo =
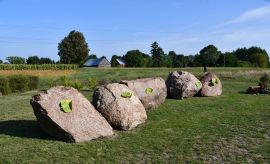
(32, 60)
(253, 56)
(147, 60)
(15, 60)
(114, 62)
(260, 60)
(171, 62)
(230, 59)
(134, 58)
(73, 49)
(46, 61)
(37, 60)
(180, 61)
(158, 55)
(209, 56)
(1, 61)
(171, 59)
(242, 54)
(92, 56)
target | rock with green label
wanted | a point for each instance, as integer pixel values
(182, 85)
(151, 91)
(120, 106)
(67, 115)
(211, 85)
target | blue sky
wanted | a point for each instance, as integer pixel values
(35, 27)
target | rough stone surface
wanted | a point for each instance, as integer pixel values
(182, 85)
(83, 123)
(149, 100)
(122, 113)
(209, 90)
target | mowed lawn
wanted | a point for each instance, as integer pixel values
(234, 127)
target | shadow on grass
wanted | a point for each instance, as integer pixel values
(23, 129)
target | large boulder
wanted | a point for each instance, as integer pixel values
(81, 123)
(151, 91)
(182, 85)
(211, 85)
(120, 106)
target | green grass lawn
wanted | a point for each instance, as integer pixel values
(234, 127)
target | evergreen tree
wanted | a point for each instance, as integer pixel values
(158, 55)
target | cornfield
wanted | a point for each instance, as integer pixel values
(38, 67)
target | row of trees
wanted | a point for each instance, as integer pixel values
(73, 49)
(208, 56)
(29, 60)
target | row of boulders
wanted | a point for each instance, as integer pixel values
(118, 105)
(184, 84)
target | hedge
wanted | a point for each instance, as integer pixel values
(17, 83)
(38, 67)
(4, 85)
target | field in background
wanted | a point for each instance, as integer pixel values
(232, 128)
(239, 74)
(39, 73)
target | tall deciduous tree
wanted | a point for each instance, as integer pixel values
(43, 60)
(32, 60)
(134, 58)
(229, 59)
(259, 60)
(73, 49)
(253, 56)
(209, 56)
(15, 60)
(92, 56)
(37, 60)
(114, 62)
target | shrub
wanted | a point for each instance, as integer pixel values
(19, 83)
(92, 83)
(4, 85)
(77, 84)
(65, 81)
(264, 78)
(52, 82)
(33, 82)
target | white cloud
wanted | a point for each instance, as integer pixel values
(234, 39)
(251, 15)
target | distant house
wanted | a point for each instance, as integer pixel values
(121, 62)
(100, 62)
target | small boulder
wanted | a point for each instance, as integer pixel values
(66, 114)
(211, 85)
(120, 106)
(151, 91)
(182, 85)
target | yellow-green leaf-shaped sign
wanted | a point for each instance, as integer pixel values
(198, 84)
(66, 106)
(149, 91)
(213, 81)
(126, 94)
